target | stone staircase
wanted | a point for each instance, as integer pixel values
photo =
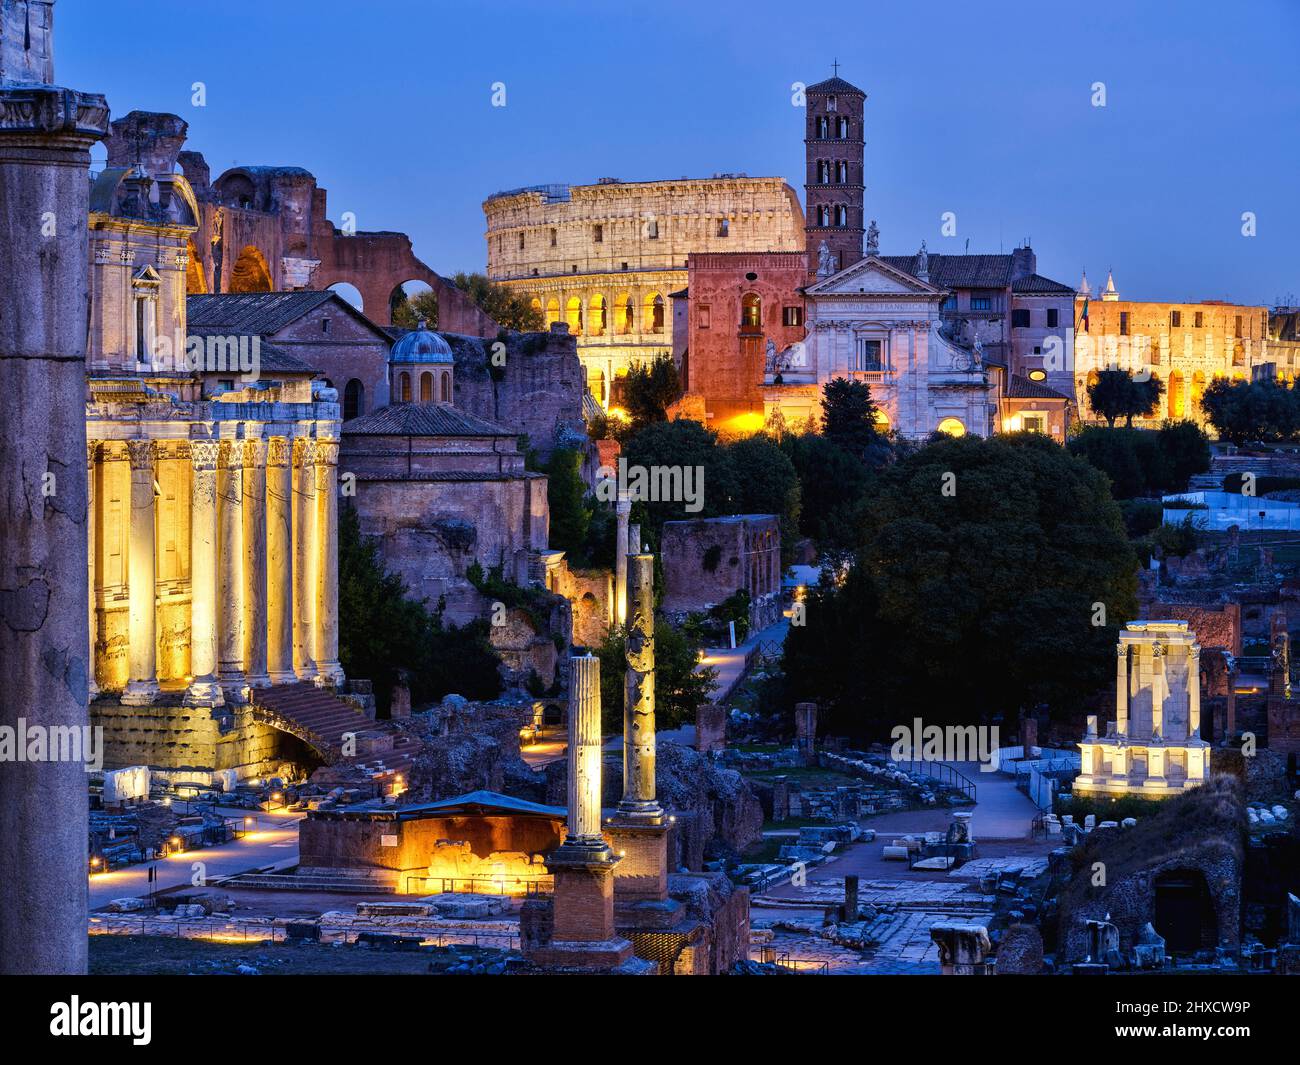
(314, 715)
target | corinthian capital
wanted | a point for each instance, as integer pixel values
(327, 452)
(140, 453)
(203, 454)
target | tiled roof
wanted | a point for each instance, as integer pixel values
(959, 271)
(836, 84)
(422, 419)
(1037, 284)
(263, 313)
(1020, 387)
(270, 357)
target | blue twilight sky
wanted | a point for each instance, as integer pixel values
(983, 109)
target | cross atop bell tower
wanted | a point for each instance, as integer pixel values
(834, 184)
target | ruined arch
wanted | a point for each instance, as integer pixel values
(1174, 394)
(410, 290)
(349, 292)
(573, 315)
(251, 272)
(598, 308)
(653, 316)
(1183, 911)
(952, 426)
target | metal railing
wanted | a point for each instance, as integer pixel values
(941, 773)
(768, 955)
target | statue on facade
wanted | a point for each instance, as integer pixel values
(825, 260)
(873, 238)
(923, 262)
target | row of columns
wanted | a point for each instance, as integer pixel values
(263, 566)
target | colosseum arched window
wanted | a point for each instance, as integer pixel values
(654, 313)
(573, 315)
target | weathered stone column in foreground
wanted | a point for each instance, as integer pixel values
(45, 139)
(582, 931)
(204, 689)
(639, 803)
(638, 832)
(92, 450)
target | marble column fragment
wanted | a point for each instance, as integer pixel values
(639, 803)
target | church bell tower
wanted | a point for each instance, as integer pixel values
(833, 183)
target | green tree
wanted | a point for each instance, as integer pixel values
(832, 487)
(766, 483)
(570, 510)
(975, 590)
(407, 312)
(1118, 394)
(682, 449)
(679, 689)
(508, 307)
(1187, 452)
(383, 633)
(649, 389)
(849, 415)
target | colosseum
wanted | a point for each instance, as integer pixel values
(605, 258)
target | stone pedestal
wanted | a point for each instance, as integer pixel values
(963, 948)
(710, 728)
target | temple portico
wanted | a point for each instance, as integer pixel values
(1154, 746)
(210, 576)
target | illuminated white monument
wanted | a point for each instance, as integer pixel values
(1153, 747)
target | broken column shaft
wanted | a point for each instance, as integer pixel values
(639, 803)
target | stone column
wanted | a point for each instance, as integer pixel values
(584, 757)
(1159, 689)
(304, 555)
(204, 689)
(142, 678)
(279, 561)
(45, 139)
(1194, 692)
(634, 545)
(92, 532)
(622, 510)
(327, 563)
(639, 804)
(1121, 689)
(255, 550)
(230, 569)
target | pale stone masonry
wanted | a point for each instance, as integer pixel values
(1153, 747)
(605, 258)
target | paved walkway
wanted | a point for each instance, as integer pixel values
(272, 841)
(730, 663)
(1001, 811)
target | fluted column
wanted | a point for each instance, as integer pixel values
(92, 533)
(255, 551)
(1159, 689)
(584, 755)
(1194, 692)
(623, 511)
(279, 560)
(639, 803)
(327, 562)
(230, 569)
(1121, 689)
(204, 689)
(304, 559)
(142, 677)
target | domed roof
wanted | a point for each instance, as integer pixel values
(421, 345)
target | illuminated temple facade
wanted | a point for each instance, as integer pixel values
(212, 502)
(1154, 746)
